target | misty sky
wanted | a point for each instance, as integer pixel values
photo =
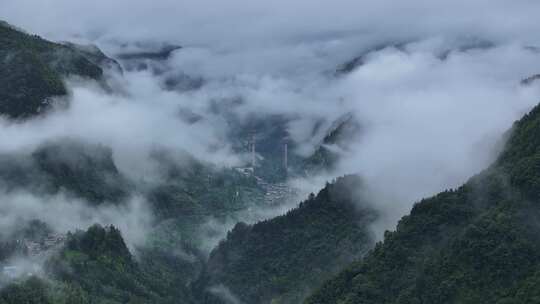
(247, 23)
(432, 110)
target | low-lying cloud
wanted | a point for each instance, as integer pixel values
(431, 111)
(63, 214)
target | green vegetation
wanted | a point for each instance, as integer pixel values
(189, 187)
(98, 263)
(95, 266)
(82, 170)
(340, 134)
(31, 71)
(322, 159)
(189, 194)
(30, 291)
(475, 244)
(281, 259)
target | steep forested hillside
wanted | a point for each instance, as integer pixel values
(340, 135)
(281, 259)
(475, 244)
(189, 187)
(78, 169)
(98, 262)
(190, 194)
(277, 260)
(95, 266)
(31, 71)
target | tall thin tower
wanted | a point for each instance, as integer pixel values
(285, 155)
(253, 157)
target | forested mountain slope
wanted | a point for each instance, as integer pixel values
(95, 266)
(475, 244)
(281, 259)
(341, 134)
(32, 68)
(79, 169)
(274, 261)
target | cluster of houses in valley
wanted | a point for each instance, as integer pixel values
(277, 193)
(27, 264)
(34, 248)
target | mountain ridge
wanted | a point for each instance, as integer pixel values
(32, 71)
(473, 244)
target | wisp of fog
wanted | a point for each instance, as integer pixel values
(433, 95)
